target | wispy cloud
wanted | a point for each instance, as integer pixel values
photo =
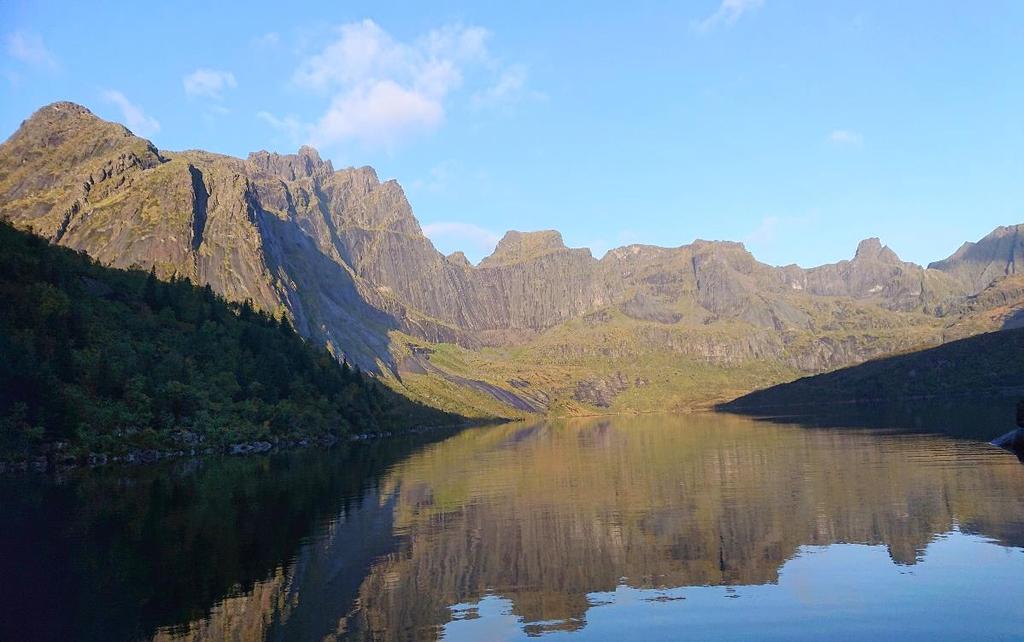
(13, 78)
(728, 12)
(845, 137)
(438, 177)
(30, 49)
(294, 130)
(764, 239)
(134, 117)
(383, 90)
(208, 83)
(268, 40)
(765, 232)
(474, 240)
(510, 88)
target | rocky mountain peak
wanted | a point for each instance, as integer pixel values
(304, 164)
(871, 249)
(64, 109)
(59, 158)
(1000, 245)
(61, 116)
(636, 251)
(516, 247)
(1000, 253)
(365, 176)
(868, 247)
(55, 123)
(459, 258)
(702, 245)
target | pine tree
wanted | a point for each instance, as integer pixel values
(285, 325)
(150, 294)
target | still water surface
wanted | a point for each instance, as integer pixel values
(696, 526)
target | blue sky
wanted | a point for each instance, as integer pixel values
(797, 128)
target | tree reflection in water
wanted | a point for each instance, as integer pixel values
(532, 527)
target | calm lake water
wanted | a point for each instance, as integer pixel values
(697, 526)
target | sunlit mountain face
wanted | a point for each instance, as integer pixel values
(536, 327)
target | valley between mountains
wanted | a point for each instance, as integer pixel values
(536, 327)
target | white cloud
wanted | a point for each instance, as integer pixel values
(30, 49)
(474, 240)
(383, 90)
(208, 83)
(134, 117)
(728, 12)
(365, 52)
(845, 137)
(362, 51)
(377, 114)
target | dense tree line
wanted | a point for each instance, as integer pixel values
(105, 360)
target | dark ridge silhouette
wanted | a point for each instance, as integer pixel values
(984, 365)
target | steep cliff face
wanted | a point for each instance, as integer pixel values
(532, 281)
(341, 253)
(251, 229)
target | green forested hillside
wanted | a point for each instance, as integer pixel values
(94, 359)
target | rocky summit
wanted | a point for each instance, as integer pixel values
(535, 327)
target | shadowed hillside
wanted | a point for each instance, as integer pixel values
(987, 364)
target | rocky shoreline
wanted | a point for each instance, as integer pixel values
(54, 461)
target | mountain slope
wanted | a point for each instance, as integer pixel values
(251, 229)
(535, 325)
(106, 360)
(999, 254)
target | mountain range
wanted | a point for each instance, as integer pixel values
(534, 327)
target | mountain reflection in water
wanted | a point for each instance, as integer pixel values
(610, 527)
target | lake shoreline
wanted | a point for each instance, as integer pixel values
(54, 462)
